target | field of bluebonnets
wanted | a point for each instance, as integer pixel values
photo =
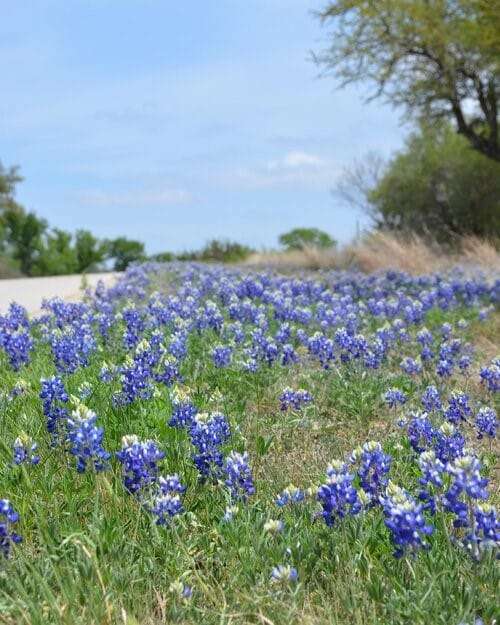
(200, 444)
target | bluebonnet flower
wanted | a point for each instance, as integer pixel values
(8, 516)
(464, 362)
(24, 450)
(444, 368)
(140, 462)
(288, 354)
(290, 494)
(485, 534)
(486, 422)
(426, 354)
(17, 346)
(432, 468)
(432, 478)
(168, 372)
(431, 399)
(410, 366)
(208, 434)
(374, 466)
(222, 356)
(448, 443)
(106, 372)
(491, 376)
(86, 440)
(424, 337)
(183, 410)
(406, 521)
(338, 497)
(446, 330)
(393, 397)
(290, 398)
(420, 432)
(284, 573)
(165, 500)
(238, 476)
(467, 485)
(135, 377)
(72, 346)
(458, 408)
(52, 393)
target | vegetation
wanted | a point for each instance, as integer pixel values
(199, 444)
(221, 251)
(436, 186)
(435, 59)
(298, 238)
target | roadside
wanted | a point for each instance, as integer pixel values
(30, 292)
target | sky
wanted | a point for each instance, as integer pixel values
(175, 123)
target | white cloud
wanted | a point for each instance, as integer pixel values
(137, 197)
(294, 169)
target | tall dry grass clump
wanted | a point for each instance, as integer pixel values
(381, 251)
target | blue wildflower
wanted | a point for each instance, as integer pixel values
(294, 399)
(393, 397)
(86, 440)
(486, 422)
(140, 462)
(239, 476)
(24, 450)
(8, 516)
(406, 521)
(338, 497)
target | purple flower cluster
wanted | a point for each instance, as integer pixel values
(15, 337)
(405, 519)
(222, 356)
(24, 450)
(183, 410)
(208, 434)
(490, 376)
(393, 397)
(53, 394)
(294, 399)
(165, 501)
(374, 466)
(338, 497)
(86, 440)
(8, 516)
(158, 494)
(238, 476)
(486, 422)
(140, 463)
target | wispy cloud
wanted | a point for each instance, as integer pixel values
(293, 169)
(135, 197)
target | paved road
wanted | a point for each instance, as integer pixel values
(29, 292)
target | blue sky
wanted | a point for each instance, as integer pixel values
(175, 123)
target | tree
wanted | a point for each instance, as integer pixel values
(124, 251)
(439, 58)
(56, 255)
(89, 251)
(23, 234)
(437, 186)
(8, 180)
(298, 238)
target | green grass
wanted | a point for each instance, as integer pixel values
(91, 554)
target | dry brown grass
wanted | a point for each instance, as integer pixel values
(380, 251)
